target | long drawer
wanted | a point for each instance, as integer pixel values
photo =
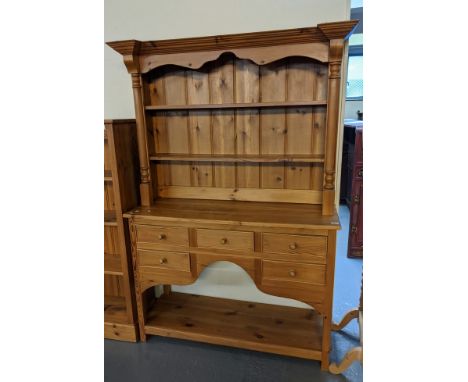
(305, 247)
(157, 238)
(224, 239)
(164, 259)
(294, 272)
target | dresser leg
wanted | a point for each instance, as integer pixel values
(141, 315)
(326, 336)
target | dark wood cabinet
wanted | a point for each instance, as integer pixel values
(355, 240)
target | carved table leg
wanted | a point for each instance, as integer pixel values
(138, 292)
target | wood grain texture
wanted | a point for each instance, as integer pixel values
(225, 239)
(265, 116)
(262, 327)
(120, 332)
(156, 237)
(235, 105)
(238, 158)
(164, 259)
(260, 56)
(236, 214)
(293, 272)
(241, 194)
(295, 244)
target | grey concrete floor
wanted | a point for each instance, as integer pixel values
(170, 360)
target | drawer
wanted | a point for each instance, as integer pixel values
(294, 272)
(223, 239)
(164, 259)
(155, 237)
(295, 244)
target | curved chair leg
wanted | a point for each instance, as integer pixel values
(352, 314)
(355, 354)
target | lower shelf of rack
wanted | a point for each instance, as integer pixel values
(116, 325)
(269, 328)
(120, 332)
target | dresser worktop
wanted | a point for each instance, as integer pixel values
(300, 216)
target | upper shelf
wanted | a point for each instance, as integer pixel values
(264, 158)
(237, 105)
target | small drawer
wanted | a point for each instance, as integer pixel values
(155, 237)
(222, 239)
(294, 272)
(164, 259)
(295, 244)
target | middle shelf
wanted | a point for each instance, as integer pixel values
(249, 158)
(236, 105)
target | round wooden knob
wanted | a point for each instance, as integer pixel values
(223, 240)
(292, 273)
(162, 236)
(293, 246)
(163, 261)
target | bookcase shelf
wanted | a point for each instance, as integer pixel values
(238, 105)
(246, 158)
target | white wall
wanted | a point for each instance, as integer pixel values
(153, 20)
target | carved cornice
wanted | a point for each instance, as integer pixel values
(130, 50)
(338, 30)
(320, 33)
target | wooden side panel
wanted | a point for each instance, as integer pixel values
(114, 285)
(107, 158)
(109, 201)
(111, 241)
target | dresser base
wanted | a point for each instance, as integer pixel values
(275, 329)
